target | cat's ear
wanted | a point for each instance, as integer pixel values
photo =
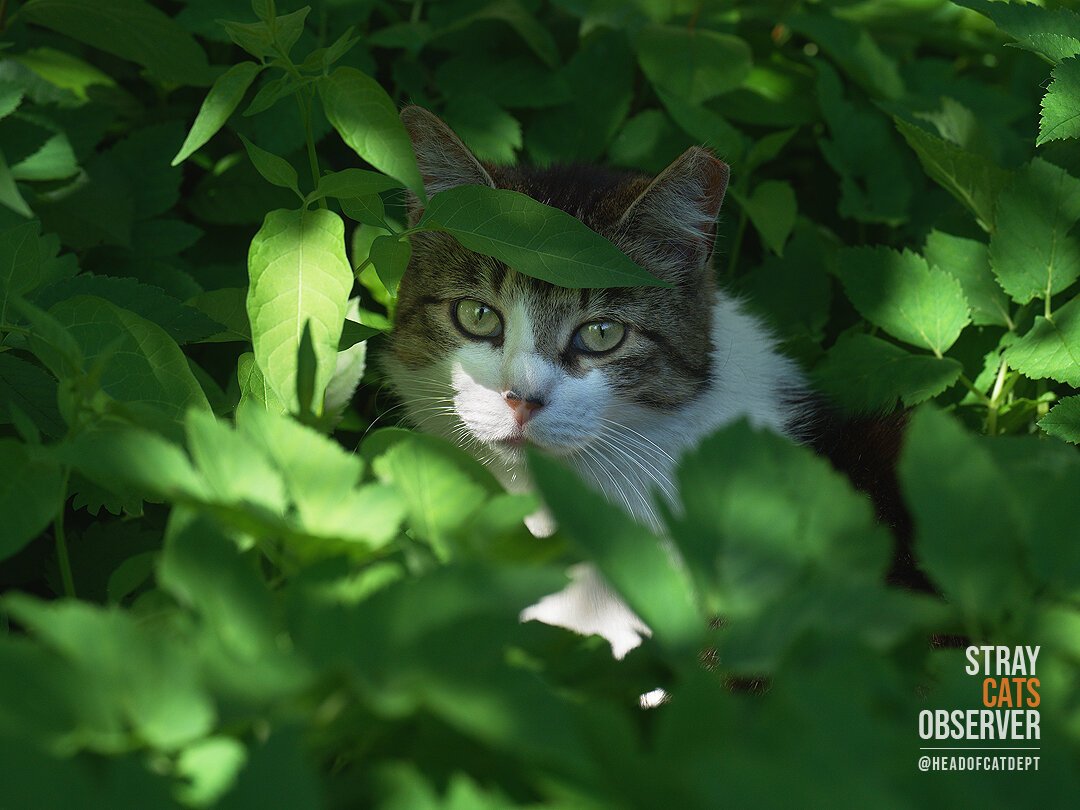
(444, 161)
(672, 223)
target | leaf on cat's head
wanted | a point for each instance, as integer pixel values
(445, 162)
(672, 222)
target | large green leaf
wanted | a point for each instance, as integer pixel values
(20, 263)
(350, 183)
(968, 261)
(30, 390)
(130, 29)
(771, 207)
(695, 64)
(202, 567)
(143, 365)
(225, 95)
(298, 274)
(183, 323)
(1031, 250)
(875, 181)
(1061, 105)
(367, 120)
(1063, 420)
(852, 46)
(146, 677)
(967, 535)
(867, 374)
(30, 495)
(532, 238)
(630, 557)
(920, 305)
(1051, 348)
(970, 178)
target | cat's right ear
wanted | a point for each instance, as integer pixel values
(444, 161)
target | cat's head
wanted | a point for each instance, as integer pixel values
(494, 359)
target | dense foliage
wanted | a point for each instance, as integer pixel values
(230, 582)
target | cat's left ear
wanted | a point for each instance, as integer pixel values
(672, 223)
(444, 161)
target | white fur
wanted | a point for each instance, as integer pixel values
(626, 451)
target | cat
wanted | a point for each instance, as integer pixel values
(616, 383)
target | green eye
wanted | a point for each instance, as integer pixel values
(598, 337)
(477, 319)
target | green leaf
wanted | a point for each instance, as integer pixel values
(629, 556)
(368, 210)
(517, 16)
(1051, 348)
(50, 341)
(11, 96)
(350, 183)
(148, 678)
(234, 468)
(510, 80)
(31, 489)
(10, 196)
(202, 568)
(1032, 251)
(274, 169)
(695, 64)
(29, 389)
(973, 180)
(601, 74)
(367, 120)
(183, 323)
(771, 207)
(390, 255)
(20, 263)
(968, 261)
(750, 532)
(129, 459)
(253, 385)
(255, 38)
(298, 273)
(875, 180)
(486, 128)
(967, 537)
(915, 303)
(53, 160)
(1060, 116)
(130, 29)
(441, 486)
(866, 374)
(225, 95)
(321, 480)
(533, 238)
(208, 769)
(1063, 421)
(306, 368)
(851, 45)
(287, 28)
(65, 71)
(143, 365)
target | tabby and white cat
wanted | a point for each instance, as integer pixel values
(617, 383)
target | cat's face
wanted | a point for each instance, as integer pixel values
(493, 359)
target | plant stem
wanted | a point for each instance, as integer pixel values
(995, 396)
(313, 158)
(61, 540)
(970, 386)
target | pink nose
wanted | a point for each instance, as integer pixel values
(523, 407)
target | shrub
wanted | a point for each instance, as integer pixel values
(224, 589)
